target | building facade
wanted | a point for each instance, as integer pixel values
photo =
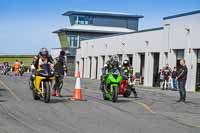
(148, 50)
(86, 25)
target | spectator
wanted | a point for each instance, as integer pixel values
(21, 68)
(59, 74)
(182, 77)
(167, 73)
(174, 81)
(161, 78)
(16, 67)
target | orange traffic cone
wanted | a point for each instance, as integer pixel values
(78, 91)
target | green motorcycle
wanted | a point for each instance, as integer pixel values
(111, 86)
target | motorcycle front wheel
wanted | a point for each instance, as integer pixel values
(47, 92)
(115, 94)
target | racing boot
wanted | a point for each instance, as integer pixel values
(58, 93)
(134, 93)
(53, 92)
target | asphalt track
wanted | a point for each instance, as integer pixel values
(155, 111)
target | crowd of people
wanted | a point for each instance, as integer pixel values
(18, 68)
(167, 78)
(174, 79)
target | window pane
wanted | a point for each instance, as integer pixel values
(180, 54)
(73, 41)
(198, 56)
(85, 20)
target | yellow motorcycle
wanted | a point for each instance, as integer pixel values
(42, 83)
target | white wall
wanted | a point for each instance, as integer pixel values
(178, 35)
(173, 36)
(123, 44)
(135, 42)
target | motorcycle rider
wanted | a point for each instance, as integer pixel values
(113, 62)
(59, 73)
(6, 68)
(127, 71)
(43, 57)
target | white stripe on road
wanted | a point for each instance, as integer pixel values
(10, 90)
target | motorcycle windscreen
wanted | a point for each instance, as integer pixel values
(45, 70)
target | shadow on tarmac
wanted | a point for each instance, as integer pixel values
(3, 101)
(123, 101)
(58, 100)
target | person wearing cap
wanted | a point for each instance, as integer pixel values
(59, 74)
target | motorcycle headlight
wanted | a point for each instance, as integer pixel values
(116, 73)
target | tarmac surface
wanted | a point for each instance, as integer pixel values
(155, 111)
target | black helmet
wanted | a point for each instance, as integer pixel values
(126, 63)
(44, 52)
(114, 60)
(62, 52)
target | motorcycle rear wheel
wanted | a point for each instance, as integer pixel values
(127, 93)
(35, 95)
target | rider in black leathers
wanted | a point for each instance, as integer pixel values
(59, 69)
(127, 71)
(113, 62)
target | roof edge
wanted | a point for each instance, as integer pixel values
(151, 29)
(182, 15)
(99, 13)
(119, 34)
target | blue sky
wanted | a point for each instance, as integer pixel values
(27, 25)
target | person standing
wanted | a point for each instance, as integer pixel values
(182, 78)
(161, 78)
(166, 73)
(21, 68)
(59, 74)
(16, 67)
(174, 82)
